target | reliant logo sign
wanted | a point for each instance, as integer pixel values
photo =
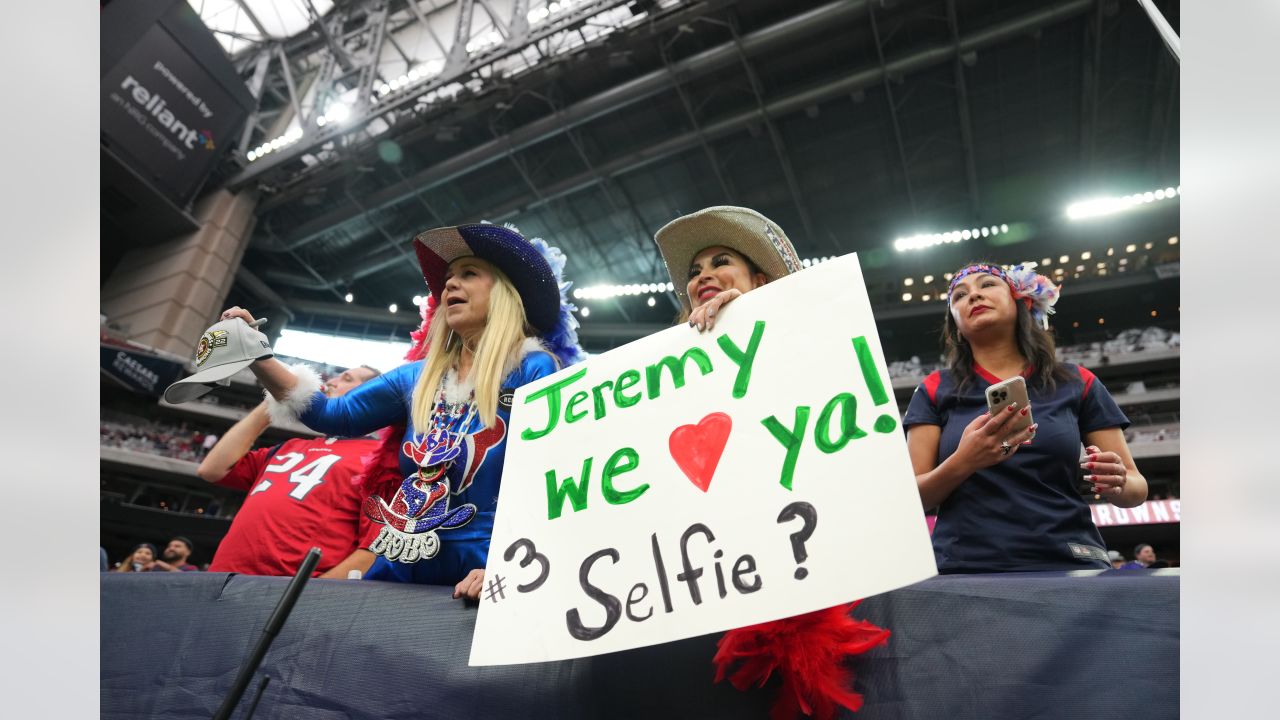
(155, 105)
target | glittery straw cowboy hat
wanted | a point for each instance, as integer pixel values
(755, 236)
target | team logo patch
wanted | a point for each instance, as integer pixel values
(419, 508)
(209, 341)
(447, 464)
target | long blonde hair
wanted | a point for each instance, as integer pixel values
(496, 354)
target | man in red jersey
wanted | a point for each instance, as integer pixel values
(300, 495)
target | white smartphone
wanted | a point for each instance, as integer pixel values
(1002, 394)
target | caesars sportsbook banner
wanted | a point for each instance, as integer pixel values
(171, 101)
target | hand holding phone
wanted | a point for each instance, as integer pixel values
(1002, 394)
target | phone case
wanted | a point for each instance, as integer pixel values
(1000, 395)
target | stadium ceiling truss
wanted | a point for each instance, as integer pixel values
(362, 72)
(365, 66)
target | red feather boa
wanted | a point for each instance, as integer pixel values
(808, 651)
(380, 474)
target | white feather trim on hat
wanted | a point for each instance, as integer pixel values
(297, 400)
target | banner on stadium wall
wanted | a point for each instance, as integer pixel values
(690, 483)
(163, 107)
(138, 371)
(1148, 513)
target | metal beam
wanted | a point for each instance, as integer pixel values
(350, 311)
(1090, 77)
(893, 113)
(338, 53)
(962, 110)
(842, 87)
(775, 137)
(257, 24)
(264, 292)
(293, 89)
(456, 58)
(255, 88)
(417, 11)
(712, 158)
(818, 20)
(369, 73)
(497, 21)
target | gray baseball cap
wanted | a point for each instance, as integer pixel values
(224, 349)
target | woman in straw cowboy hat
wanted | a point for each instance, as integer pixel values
(1007, 503)
(715, 255)
(718, 253)
(498, 320)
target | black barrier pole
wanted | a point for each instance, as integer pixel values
(269, 633)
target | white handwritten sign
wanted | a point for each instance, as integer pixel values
(690, 483)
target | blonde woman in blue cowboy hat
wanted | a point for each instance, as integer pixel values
(718, 253)
(500, 321)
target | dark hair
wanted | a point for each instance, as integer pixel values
(372, 370)
(1138, 548)
(185, 541)
(1035, 343)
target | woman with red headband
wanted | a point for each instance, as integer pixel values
(1010, 501)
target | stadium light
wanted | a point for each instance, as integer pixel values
(1102, 206)
(925, 240)
(393, 307)
(290, 137)
(349, 297)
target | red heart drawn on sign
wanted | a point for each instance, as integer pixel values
(697, 448)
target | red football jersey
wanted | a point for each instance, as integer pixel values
(300, 496)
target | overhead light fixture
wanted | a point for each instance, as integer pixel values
(349, 297)
(393, 307)
(924, 240)
(291, 136)
(585, 311)
(604, 292)
(1098, 207)
(338, 112)
(652, 302)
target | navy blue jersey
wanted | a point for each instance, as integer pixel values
(1025, 512)
(474, 476)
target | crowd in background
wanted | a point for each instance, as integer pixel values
(154, 436)
(1128, 342)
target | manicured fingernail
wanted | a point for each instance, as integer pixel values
(1012, 406)
(1026, 442)
(1097, 489)
(1089, 465)
(1025, 410)
(1090, 478)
